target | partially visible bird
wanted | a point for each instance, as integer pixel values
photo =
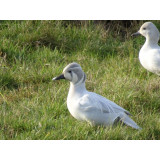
(149, 54)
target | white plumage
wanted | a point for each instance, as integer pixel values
(88, 106)
(149, 54)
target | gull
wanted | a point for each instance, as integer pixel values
(149, 54)
(89, 106)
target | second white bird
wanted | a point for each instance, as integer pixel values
(149, 54)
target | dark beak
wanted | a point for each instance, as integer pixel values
(135, 34)
(59, 77)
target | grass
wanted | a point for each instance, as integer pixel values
(34, 107)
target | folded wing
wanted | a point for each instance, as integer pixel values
(101, 108)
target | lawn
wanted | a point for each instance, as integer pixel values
(32, 106)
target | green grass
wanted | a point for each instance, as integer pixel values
(32, 106)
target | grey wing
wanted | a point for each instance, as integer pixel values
(99, 103)
(95, 111)
(109, 106)
(98, 107)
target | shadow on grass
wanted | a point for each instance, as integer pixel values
(7, 81)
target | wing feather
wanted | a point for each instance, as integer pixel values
(97, 102)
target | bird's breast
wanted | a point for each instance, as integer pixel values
(74, 108)
(149, 60)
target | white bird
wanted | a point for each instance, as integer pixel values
(149, 54)
(88, 106)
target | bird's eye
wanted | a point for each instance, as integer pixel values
(69, 71)
(144, 28)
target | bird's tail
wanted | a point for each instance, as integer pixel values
(129, 122)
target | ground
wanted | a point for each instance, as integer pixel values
(32, 106)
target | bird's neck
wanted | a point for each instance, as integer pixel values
(77, 89)
(151, 42)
